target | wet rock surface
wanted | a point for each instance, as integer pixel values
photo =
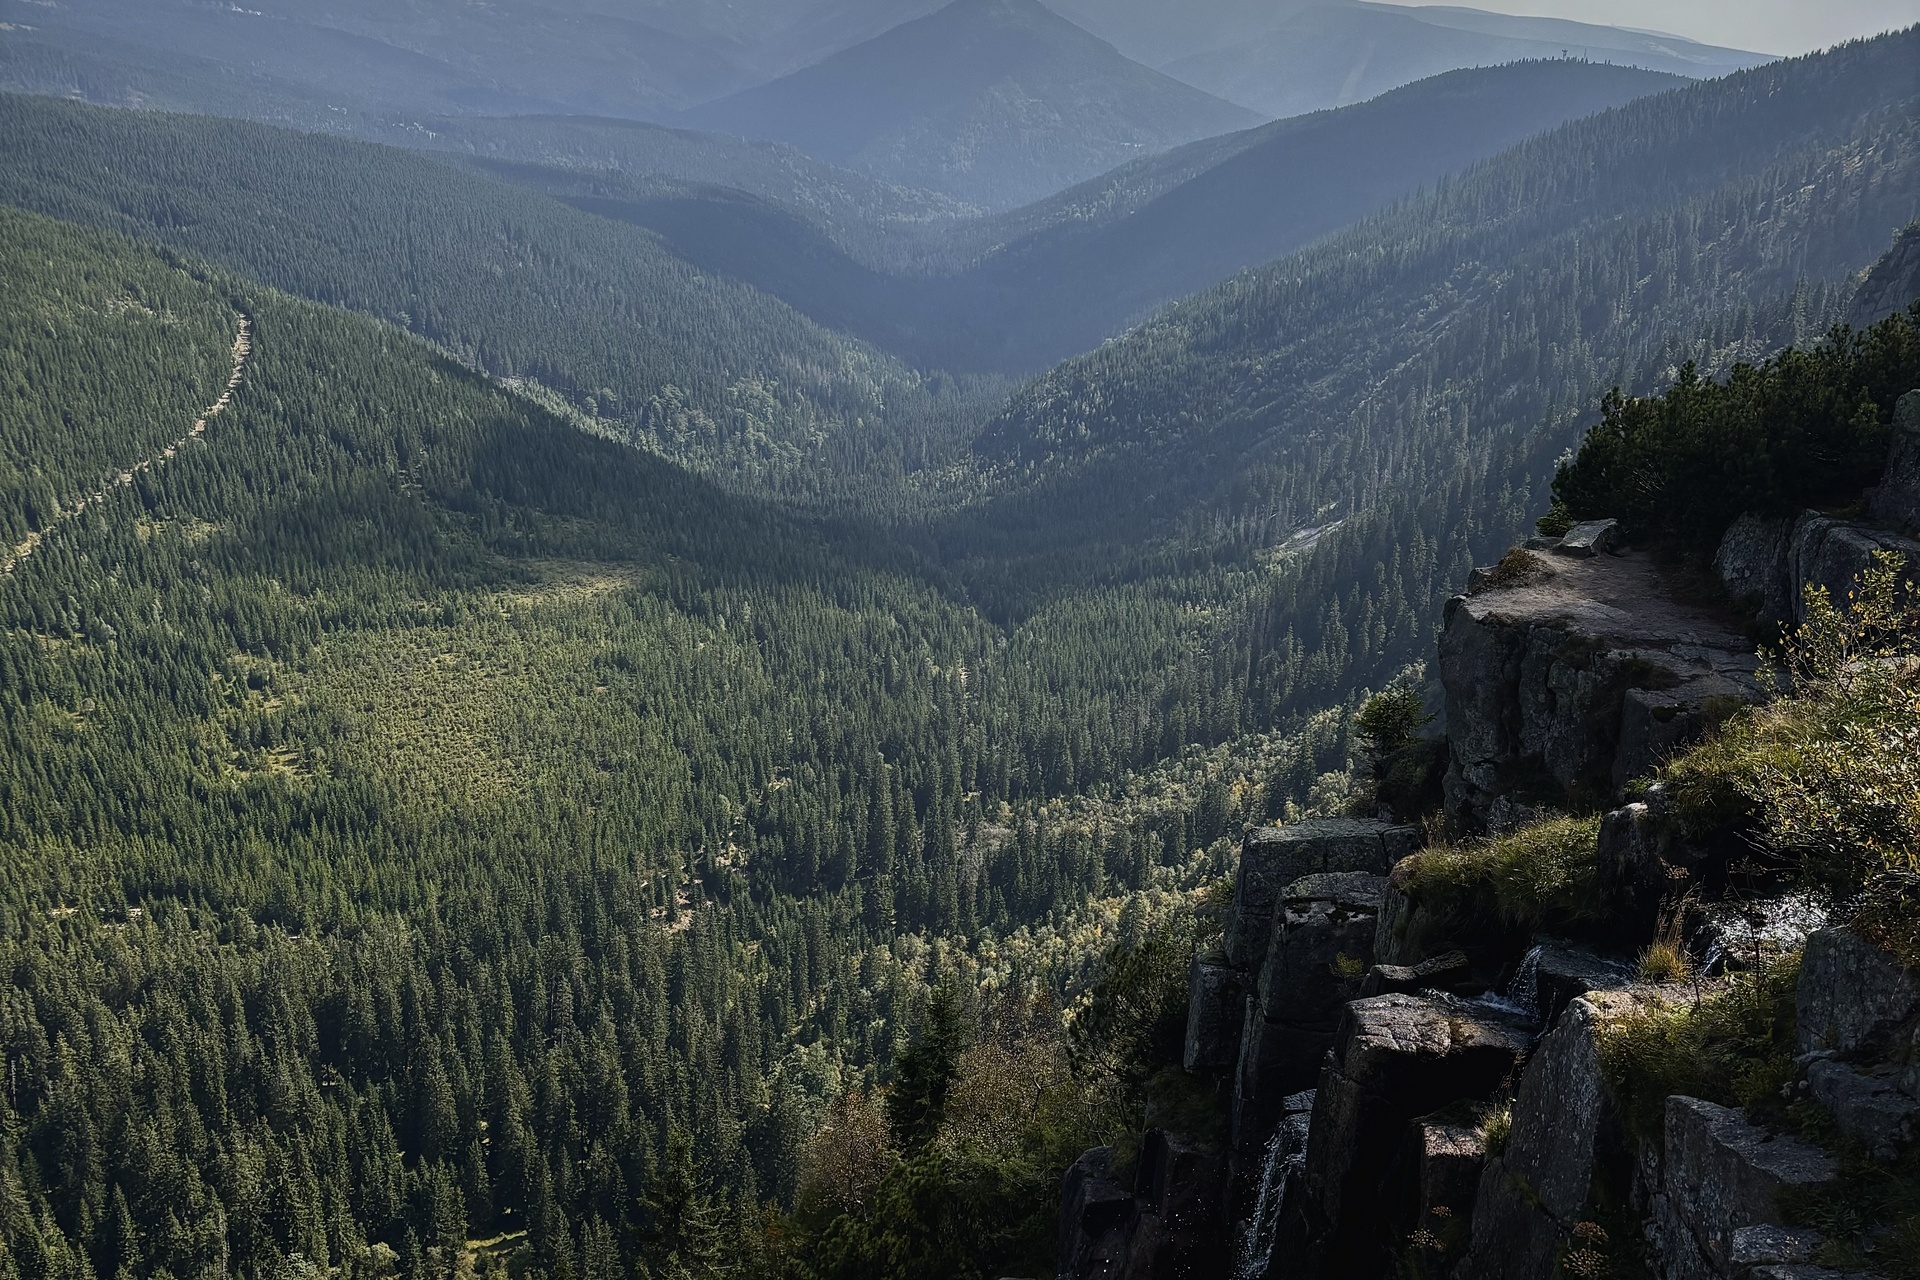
(1739, 934)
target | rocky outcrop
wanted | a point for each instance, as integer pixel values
(1297, 940)
(1533, 1193)
(1752, 566)
(1097, 1217)
(1891, 285)
(1164, 1227)
(1271, 858)
(1321, 948)
(1479, 1135)
(1579, 675)
(1867, 1104)
(1857, 1015)
(1721, 1176)
(1396, 1058)
(1825, 551)
(1216, 997)
(1896, 502)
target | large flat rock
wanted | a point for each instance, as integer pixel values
(1578, 674)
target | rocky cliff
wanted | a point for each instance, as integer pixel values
(1419, 1085)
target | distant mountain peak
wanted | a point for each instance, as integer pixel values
(994, 101)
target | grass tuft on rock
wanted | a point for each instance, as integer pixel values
(1543, 875)
(1734, 1046)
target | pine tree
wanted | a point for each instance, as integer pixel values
(917, 1100)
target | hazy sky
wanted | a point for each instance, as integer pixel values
(1769, 26)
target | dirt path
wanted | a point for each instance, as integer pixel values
(242, 350)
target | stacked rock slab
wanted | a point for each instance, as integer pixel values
(1271, 858)
(1322, 945)
(1343, 860)
(1396, 1058)
(1568, 676)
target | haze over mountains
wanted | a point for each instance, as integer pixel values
(1017, 292)
(357, 66)
(998, 101)
(1326, 55)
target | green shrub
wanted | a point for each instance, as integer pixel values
(1390, 719)
(1807, 428)
(1557, 523)
(1829, 777)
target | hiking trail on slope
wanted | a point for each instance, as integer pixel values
(242, 351)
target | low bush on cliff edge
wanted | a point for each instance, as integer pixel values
(1735, 1048)
(1806, 428)
(1828, 777)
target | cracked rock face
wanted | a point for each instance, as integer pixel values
(1396, 1057)
(1271, 858)
(1581, 675)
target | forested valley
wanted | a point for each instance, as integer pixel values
(580, 768)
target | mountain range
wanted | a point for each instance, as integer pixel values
(1016, 292)
(995, 102)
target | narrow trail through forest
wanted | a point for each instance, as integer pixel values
(242, 351)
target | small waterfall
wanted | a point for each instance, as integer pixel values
(1524, 991)
(1256, 1246)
